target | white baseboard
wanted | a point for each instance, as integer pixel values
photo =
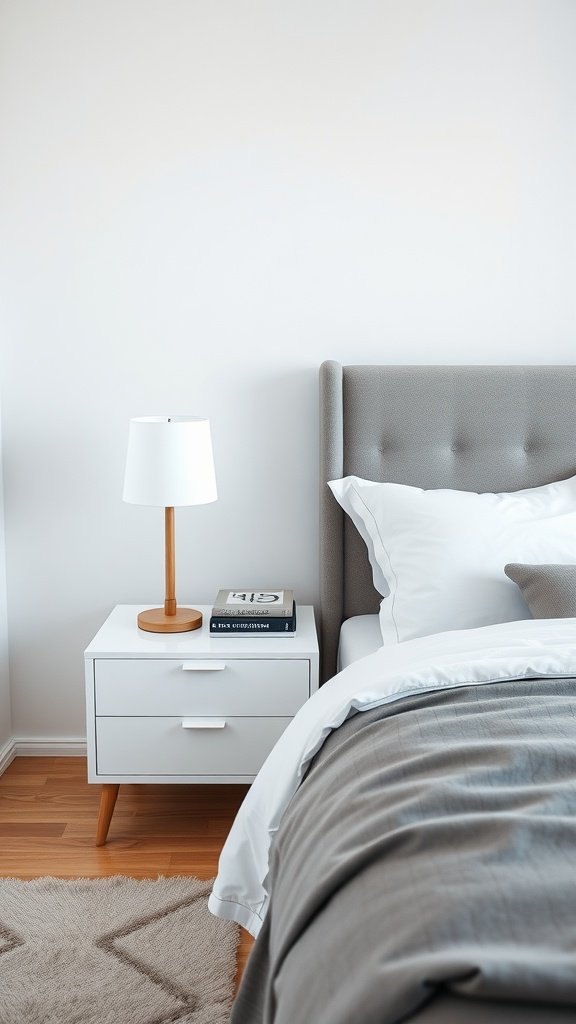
(37, 746)
(25, 746)
(7, 754)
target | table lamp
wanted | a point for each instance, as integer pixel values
(169, 462)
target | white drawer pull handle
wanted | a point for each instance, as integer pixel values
(203, 723)
(203, 666)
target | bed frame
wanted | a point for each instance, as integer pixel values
(475, 428)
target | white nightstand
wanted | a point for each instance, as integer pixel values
(188, 707)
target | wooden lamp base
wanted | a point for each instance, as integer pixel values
(155, 620)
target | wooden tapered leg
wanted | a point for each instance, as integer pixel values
(107, 805)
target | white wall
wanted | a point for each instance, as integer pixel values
(199, 202)
(5, 703)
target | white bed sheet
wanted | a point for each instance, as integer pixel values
(359, 636)
(533, 648)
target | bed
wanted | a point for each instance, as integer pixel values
(413, 862)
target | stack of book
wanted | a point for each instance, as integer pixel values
(254, 613)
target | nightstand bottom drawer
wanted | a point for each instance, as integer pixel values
(163, 746)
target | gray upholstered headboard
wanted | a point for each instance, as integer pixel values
(475, 428)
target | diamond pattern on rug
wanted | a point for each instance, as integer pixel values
(8, 939)
(111, 950)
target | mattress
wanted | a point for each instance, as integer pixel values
(359, 636)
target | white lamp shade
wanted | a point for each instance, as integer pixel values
(169, 462)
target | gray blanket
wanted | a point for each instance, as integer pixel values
(426, 869)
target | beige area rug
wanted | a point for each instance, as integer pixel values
(113, 951)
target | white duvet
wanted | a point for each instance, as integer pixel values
(535, 648)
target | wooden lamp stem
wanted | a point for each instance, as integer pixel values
(170, 618)
(170, 600)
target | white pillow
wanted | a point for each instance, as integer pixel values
(440, 554)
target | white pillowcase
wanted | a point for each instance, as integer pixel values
(440, 554)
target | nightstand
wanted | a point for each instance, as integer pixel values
(188, 707)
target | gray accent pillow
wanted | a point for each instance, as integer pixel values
(549, 590)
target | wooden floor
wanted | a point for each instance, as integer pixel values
(48, 818)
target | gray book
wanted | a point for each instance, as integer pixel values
(253, 604)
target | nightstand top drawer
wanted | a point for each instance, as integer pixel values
(229, 686)
(120, 637)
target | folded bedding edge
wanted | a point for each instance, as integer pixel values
(232, 910)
